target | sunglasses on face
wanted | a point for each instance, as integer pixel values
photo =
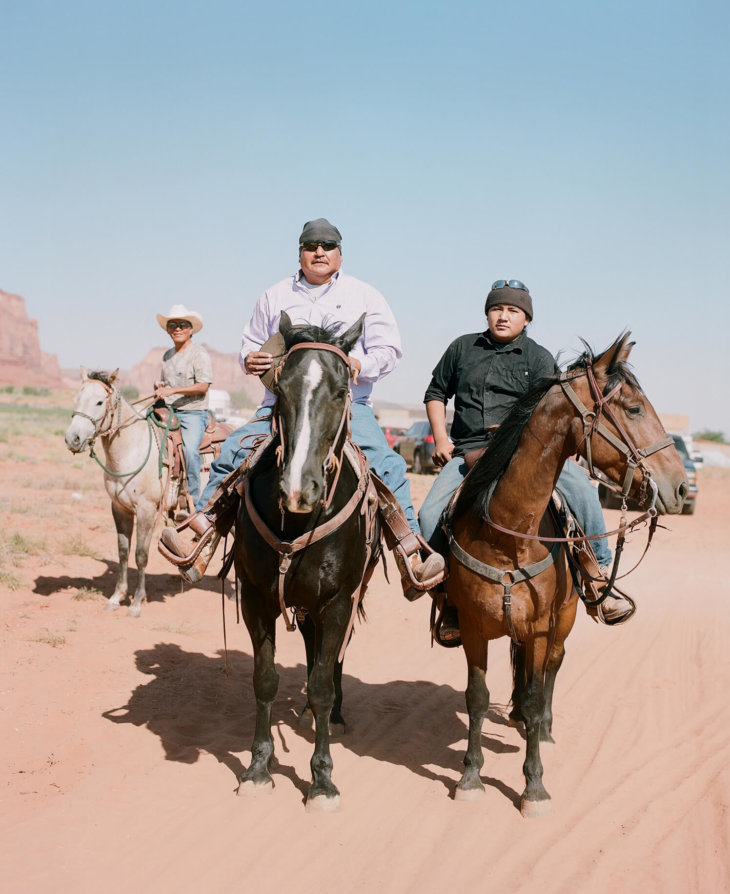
(178, 324)
(511, 283)
(327, 246)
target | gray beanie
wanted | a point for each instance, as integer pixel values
(507, 295)
(320, 230)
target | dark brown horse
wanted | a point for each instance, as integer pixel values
(306, 535)
(507, 585)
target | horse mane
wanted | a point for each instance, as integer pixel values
(101, 375)
(309, 333)
(492, 464)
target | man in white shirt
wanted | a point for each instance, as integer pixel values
(318, 293)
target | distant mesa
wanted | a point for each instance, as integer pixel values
(21, 360)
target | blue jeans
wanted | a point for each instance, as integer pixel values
(366, 433)
(582, 498)
(192, 426)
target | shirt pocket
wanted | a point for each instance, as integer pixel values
(515, 380)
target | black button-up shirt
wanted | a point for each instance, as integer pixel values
(486, 378)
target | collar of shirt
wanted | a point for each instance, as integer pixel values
(517, 344)
(324, 288)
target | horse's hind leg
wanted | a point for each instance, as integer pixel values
(470, 785)
(566, 618)
(124, 523)
(266, 685)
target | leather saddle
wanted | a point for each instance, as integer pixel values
(210, 446)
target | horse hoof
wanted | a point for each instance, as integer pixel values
(111, 606)
(247, 788)
(134, 611)
(306, 718)
(323, 804)
(468, 794)
(337, 729)
(530, 809)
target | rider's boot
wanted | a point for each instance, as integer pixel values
(420, 567)
(207, 527)
(617, 607)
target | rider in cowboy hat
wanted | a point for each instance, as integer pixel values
(186, 376)
(318, 293)
(486, 373)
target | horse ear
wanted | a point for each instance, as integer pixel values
(84, 373)
(285, 324)
(346, 341)
(614, 356)
(113, 376)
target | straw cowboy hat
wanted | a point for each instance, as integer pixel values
(180, 312)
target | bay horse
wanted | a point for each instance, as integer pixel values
(307, 537)
(505, 580)
(131, 471)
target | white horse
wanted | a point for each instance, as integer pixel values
(131, 470)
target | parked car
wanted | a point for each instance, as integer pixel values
(611, 500)
(416, 447)
(392, 433)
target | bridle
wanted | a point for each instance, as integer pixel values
(112, 397)
(333, 459)
(592, 425)
(363, 496)
(113, 407)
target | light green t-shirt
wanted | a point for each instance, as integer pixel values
(186, 367)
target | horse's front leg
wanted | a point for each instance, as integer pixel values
(146, 517)
(323, 794)
(470, 786)
(266, 684)
(535, 799)
(124, 523)
(306, 718)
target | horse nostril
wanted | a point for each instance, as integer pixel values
(683, 490)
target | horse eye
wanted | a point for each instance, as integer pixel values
(636, 410)
(99, 403)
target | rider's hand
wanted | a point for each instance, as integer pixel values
(442, 452)
(257, 362)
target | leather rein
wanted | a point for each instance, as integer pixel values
(286, 549)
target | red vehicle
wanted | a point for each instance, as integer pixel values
(392, 434)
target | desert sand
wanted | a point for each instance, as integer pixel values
(123, 738)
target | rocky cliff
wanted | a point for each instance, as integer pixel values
(21, 360)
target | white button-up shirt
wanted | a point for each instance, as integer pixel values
(343, 300)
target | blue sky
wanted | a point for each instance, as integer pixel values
(164, 152)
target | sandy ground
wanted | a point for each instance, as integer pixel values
(122, 739)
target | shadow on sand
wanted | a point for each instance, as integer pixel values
(193, 709)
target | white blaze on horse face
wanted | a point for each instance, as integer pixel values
(312, 378)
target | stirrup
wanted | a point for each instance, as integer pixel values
(413, 587)
(620, 619)
(437, 635)
(183, 561)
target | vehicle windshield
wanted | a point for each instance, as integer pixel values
(681, 447)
